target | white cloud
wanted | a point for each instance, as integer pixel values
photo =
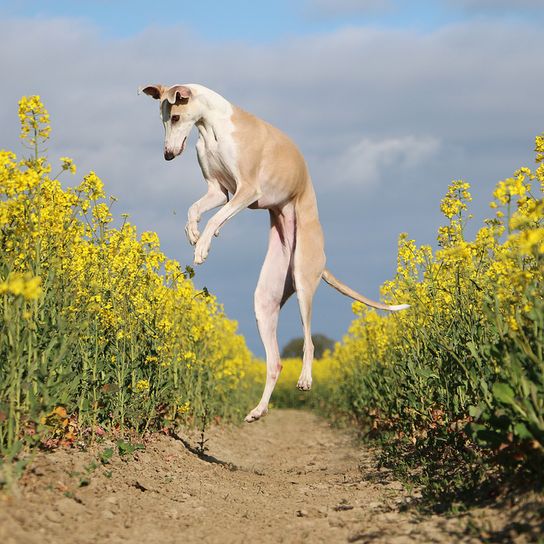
(367, 161)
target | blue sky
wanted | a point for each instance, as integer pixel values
(389, 100)
(262, 21)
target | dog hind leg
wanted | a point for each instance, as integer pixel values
(309, 263)
(274, 287)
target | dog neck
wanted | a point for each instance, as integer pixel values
(216, 115)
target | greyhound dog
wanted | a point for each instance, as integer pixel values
(247, 162)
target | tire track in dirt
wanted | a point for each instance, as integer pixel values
(288, 478)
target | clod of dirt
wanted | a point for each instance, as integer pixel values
(342, 507)
(143, 485)
(69, 507)
(53, 516)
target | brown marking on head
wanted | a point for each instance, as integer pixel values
(155, 91)
(176, 95)
(178, 112)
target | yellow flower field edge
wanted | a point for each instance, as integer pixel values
(460, 374)
(99, 330)
(325, 376)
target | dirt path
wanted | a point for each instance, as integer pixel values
(290, 478)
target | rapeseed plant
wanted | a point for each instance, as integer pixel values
(95, 319)
(471, 346)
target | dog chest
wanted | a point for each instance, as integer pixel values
(217, 162)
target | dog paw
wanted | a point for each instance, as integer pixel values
(199, 259)
(304, 383)
(201, 251)
(192, 232)
(255, 414)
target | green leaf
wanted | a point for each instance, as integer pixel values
(475, 411)
(521, 431)
(503, 393)
(106, 456)
(126, 448)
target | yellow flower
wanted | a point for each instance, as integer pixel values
(68, 164)
(184, 408)
(92, 186)
(455, 254)
(25, 285)
(102, 214)
(142, 386)
(514, 186)
(34, 119)
(456, 198)
(189, 357)
(530, 240)
(539, 148)
(151, 239)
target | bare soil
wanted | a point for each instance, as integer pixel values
(288, 478)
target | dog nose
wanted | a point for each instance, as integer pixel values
(168, 155)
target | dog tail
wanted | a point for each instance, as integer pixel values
(349, 292)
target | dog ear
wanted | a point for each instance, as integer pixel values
(154, 91)
(178, 94)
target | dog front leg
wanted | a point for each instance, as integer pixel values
(216, 196)
(242, 199)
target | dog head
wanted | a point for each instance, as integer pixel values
(179, 112)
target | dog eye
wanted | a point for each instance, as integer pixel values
(175, 118)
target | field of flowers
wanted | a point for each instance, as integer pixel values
(461, 373)
(99, 330)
